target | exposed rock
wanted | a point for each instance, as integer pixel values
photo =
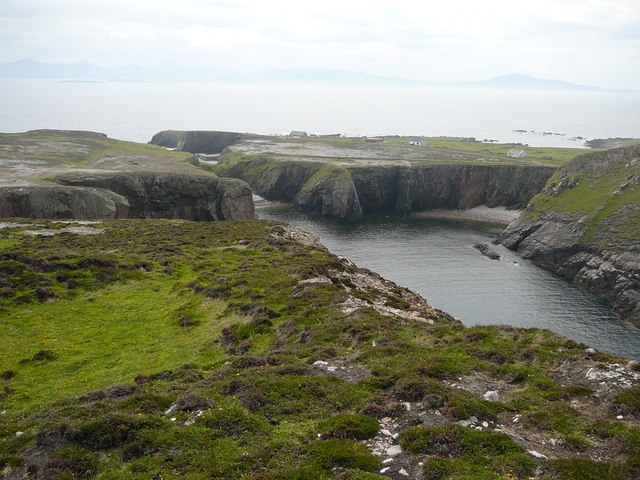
(196, 141)
(352, 192)
(600, 252)
(61, 202)
(487, 251)
(171, 195)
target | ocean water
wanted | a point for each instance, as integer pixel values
(135, 111)
(432, 257)
(436, 258)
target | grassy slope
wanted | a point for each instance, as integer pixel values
(606, 196)
(66, 149)
(213, 318)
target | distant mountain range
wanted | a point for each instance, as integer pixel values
(170, 72)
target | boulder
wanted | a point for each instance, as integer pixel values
(62, 202)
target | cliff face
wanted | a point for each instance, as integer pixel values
(585, 225)
(160, 195)
(61, 202)
(195, 141)
(346, 192)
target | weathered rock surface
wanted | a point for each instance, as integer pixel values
(170, 195)
(61, 202)
(487, 251)
(352, 192)
(195, 141)
(583, 228)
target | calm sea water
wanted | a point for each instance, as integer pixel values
(433, 258)
(436, 259)
(135, 111)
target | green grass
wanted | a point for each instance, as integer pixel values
(604, 198)
(210, 322)
(77, 148)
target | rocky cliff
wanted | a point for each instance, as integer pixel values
(171, 195)
(195, 141)
(585, 225)
(61, 202)
(349, 192)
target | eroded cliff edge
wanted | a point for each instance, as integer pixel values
(350, 192)
(171, 195)
(585, 225)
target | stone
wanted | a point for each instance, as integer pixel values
(385, 469)
(386, 432)
(535, 454)
(403, 472)
(387, 461)
(487, 251)
(492, 396)
(320, 363)
(62, 202)
(394, 450)
(173, 195)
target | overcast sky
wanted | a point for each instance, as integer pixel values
(594, 42)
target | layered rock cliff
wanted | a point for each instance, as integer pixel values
(349, 192)
(171, 195)
(61, 202)
(195, 141)
(585, 225)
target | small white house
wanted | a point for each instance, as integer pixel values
(420, 141)
(517, 153)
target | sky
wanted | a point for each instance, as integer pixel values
(590, 42)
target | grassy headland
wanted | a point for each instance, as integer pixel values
(172, 349)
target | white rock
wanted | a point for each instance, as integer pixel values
(386, 432)
(590, 350)
(535, 454)
(421, 464)
(478, 428)
(394, 450)
(4, 412)
(473, 419)
(463, 423)
(395, 436)
(553, 442)
(320, 363)
(385, 469)
(403, 472)
(387, 461)
(485, 424)
(19, 434)
(619, 417)
(173, 419)
(407, 405)
(332, 369)
(492, 396)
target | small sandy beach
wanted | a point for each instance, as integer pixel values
(481, 213)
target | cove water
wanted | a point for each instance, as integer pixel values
(436, 259)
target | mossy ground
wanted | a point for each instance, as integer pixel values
(172, 349)
(604, 197)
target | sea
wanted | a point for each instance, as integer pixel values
(433, 257)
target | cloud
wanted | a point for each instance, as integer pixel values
(456, 39)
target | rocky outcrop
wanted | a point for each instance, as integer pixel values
(350, 192)
(584, 225)
(487, 251)
(61, 202)
(195, 141)
(171, 195)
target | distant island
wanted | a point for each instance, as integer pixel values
(170, 72)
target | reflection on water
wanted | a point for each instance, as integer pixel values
(436, 259)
